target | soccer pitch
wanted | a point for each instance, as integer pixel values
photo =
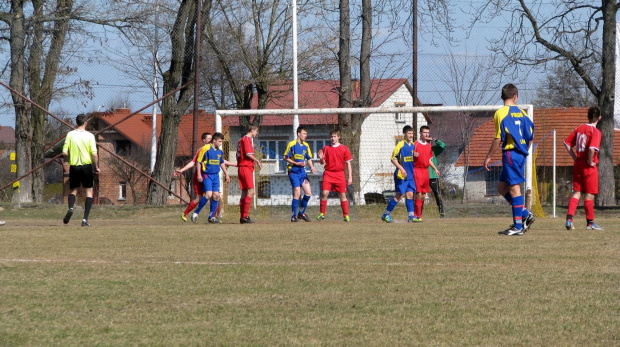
(140, 276)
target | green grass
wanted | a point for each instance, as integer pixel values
(140, 276)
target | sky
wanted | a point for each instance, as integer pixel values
(110, 86)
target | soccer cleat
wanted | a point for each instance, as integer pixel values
(417, 220)
(528, 221)
(194, 217)
(593, 226)
(321, 216)
(347, 219)
(68, 216)
(294, 219)
(214, 220)
(184, 217)
(569, 225)
(303, 217)
(441, 215)
(411, 220)
(245, 220)
(85, 223)
(386, 218)
(512, 231)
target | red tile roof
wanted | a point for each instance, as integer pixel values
(317, 94)
(138, 128)
(563, 120)
(7, 135)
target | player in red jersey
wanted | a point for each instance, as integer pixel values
(583, 145)
(422, 160)
(245, 163)
(333, 158)
(206, 138)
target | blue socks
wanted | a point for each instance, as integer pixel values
(203, 202)
(390, 206)
(294, 206)
(518, 211)
(409, 204)
(304, 204)
(213, 208)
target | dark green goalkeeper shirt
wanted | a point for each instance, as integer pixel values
(438, 148)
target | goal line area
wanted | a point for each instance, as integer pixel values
(372, 169)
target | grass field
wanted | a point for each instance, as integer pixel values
(140, 276)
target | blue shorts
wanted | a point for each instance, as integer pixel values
(403, 186)
(297, 179)
(211, 183)
(513, 164)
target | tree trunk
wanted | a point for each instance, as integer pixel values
(606, 196)
(23, 133)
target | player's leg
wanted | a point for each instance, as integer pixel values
(434, 184)
(88, 180)
(246, 183)
(303, 203)
(296, 184)
(203, 201)
(344, 205)
(409, 204)
(197, 196)
(215, 200)
(591, 188)
(74, 184)
(326, 186)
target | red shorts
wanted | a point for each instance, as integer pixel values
(420, 176)
(197, 185)
(585, 178)
(334, 181)
(246, 177)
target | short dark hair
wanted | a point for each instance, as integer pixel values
(593, 113)
(217, 136)
(335, 132)
(81, 119)
(424, 127)
(252, 127)
(204, 135)
(509, 91)
(300, 129)
(407, 128)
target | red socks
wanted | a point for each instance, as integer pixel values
(588, 205)
(323, 206)
(572, 206)
(345, 208)
(417, 210)
(190, 207)
(244, 206)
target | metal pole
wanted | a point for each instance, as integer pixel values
(196, 71)
(529, 161)
(155, 90)
(554, 166)
(414, 78)
(295, 82)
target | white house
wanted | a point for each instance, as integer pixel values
(379, 135)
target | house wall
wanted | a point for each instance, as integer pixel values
(379, 136)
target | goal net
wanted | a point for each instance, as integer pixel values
(463, 179)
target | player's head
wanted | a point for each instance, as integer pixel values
(509, 91)
(408, 132)
(217, 140)
(252, 130)
(206, 137)
(594, 113)
(302, 133)
(334, 135)
(425, 132)
(81, 119)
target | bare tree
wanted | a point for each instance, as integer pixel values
(140, 159)
(563, 88)
(579, 33)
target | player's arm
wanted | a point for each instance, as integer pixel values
(494, 146)
(591, 153)
(430, 162)
(312, 168)
(349, 173)
(438, 147)
(570, 151)
(402, 170)
(185, 168)
(199, 172)
(225, 171)
(254, 159)
(93, 154)
(321, 157)
(229, 163)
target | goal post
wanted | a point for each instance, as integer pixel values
(288, 129)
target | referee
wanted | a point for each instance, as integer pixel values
(80, 150)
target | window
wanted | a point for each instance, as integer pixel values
(122, 191)
(316, 146)
(491, 177)
(399, 117)
(273, 151)
(122, 147)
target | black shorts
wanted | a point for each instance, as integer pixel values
(81, 176)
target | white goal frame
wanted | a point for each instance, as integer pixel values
(376, 110)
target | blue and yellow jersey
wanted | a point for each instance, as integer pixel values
(403, 152)
(515, 128)
(210, 158)
(299, 152)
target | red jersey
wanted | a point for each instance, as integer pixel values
(426, 154)
(583, 138)
(195, 160)
(335, 157)
(244, 147)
